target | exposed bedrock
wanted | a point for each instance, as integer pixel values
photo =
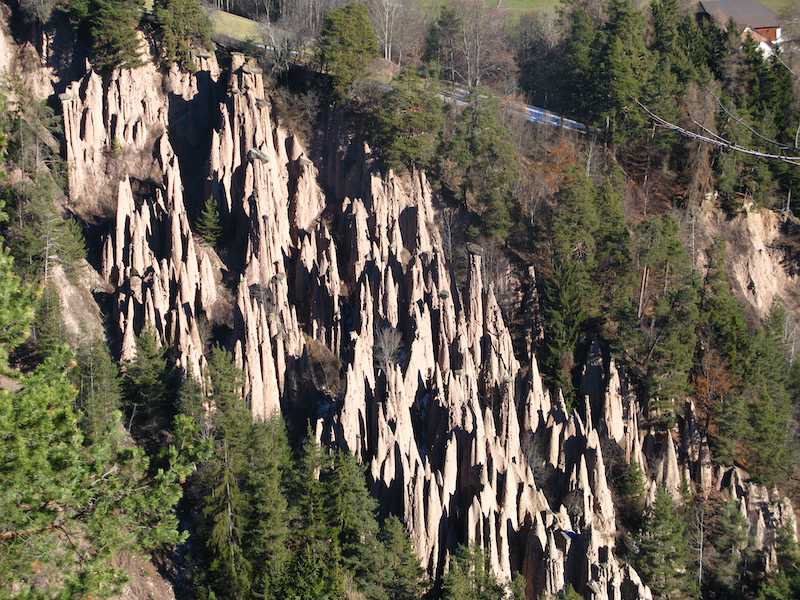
(460, 436)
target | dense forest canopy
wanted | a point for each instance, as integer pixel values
(97, 455)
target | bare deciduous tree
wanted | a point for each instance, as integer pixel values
(386, 14)
(474, 50)
(452, 224)
(386, 350)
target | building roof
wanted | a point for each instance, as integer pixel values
(746, 13)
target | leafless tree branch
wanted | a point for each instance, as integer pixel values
(708, 136)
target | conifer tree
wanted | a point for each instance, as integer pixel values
(96, 378)
(49, 330)
(57, 490)
(313, 570)
(564, 317)
(229, 569)
(784, 582)
(267, 511)
(111, 24)
(224, 507)
(209, 223)
(623, 69)
(147, 379)
(469, 578)
(348, 42)
(729, 549)
(579, 66)
(407, 121)
(39, 236)
(181, 24)
(351, 514)
(664, 552)
(404, 581)
(16, 307)
(673, 69)
(482, 153)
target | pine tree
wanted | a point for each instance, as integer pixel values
(99, 392)
(49, 331)
(469, 578)
(39, 236)
(181, 23)
(147, 391)
(230, 570)
(347, 43)
(16, 307)
(579, 67)
(59, 487)
(193, 402)
(405, 576)
(576, 222)
(481, 151)
(111, 24)
(730, 549)
(267, 511)
(440, 41)
(673, 69)
(664, 552)
(564, 318)
(209, 223)
(351, 515)
(623, 68)
(313, 570)
(784, 583)
(407, 122)
(224, 509)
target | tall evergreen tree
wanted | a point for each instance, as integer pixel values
(480, 155)
(348, 42)
(407, 121)
(16, 307)
(314, 568)
(564, 318)
(39, 236)
(49, 331)
(579, 64)
(665, 555)
(576, 222)
(209, 223)
(405, 576)
(784, 582)
(181, 24)
(267, 511)
(229, 569)
(469, 578)
(623, 68)
(96, 378)
(111, 25)
(729, 550)
(351, 514)
(57, 489)
(147, 391)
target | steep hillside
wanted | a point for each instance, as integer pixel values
(332, 289)
(452, 428)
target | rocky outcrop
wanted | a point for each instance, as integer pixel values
(756, 262)
(460, 436)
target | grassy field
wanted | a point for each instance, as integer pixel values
(235, 26)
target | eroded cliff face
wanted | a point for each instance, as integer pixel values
(460, 435)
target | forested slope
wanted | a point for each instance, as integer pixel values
(302, 334)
